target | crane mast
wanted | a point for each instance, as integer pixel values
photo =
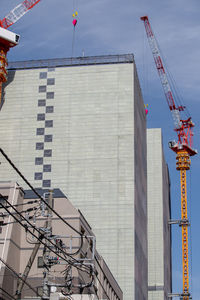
(182, 148)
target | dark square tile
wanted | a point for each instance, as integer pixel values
(48, 123)
(42, 88)
(40, 117)
(50, 81)
(38, 160)
(47, 153)
(39, 146)
(41, 102)
(43, 75)
(40, 131)
(46, 183)
(48, 138)
(49, 109)
(51, 69)
(50, 95)
(46, 168)
(38, 176)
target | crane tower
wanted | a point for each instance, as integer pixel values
(182, 148)
(9, 39)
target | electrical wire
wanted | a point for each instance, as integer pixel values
(21, 175)
(22, 204)
(15, 273)
(67, 253)
(26, 228)
(9, 295)
(21, 212)
(33, 189)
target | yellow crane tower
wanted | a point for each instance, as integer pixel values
(182, 148)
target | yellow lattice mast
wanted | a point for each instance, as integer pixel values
(183, 164)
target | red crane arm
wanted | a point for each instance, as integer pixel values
(182, 127)
(15, 14)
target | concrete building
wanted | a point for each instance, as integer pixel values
(17, 245)
(159, 213)
(79, 124)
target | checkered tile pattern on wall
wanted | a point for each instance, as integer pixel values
(44, 142)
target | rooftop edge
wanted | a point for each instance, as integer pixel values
(73, 61)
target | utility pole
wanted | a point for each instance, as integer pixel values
(28, 268)
(46, 252)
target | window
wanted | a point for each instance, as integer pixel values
(38, 160)
(38, 176)
(39, 146)
(49, 109)
(46, 183)
(47, 168)
(41, 102)
(40, 131)
(50, 95)
(48, 153)
(50, 81)
(51, 69)
(43, 75)
(40, 117)
(49, 123)
(42, 88)
(48, 138)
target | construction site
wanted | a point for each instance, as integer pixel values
(93, 203)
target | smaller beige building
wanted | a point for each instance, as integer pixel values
(159, 214)
(85, 275)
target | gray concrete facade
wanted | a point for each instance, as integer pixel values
(82, 128)
(159, 232)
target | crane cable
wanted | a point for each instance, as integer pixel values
(178, 99)
(74, 22)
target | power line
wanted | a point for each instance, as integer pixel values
(32, 188)
(17, 220)
(21, 212)
(15, 273)
(26, 228)
(4, 291)
(24, 203)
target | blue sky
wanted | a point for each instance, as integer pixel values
(114, 27)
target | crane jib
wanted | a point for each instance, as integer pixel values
(15, 14)
(183, 137)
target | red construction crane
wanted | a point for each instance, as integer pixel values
(9, 39)
(183, 148)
